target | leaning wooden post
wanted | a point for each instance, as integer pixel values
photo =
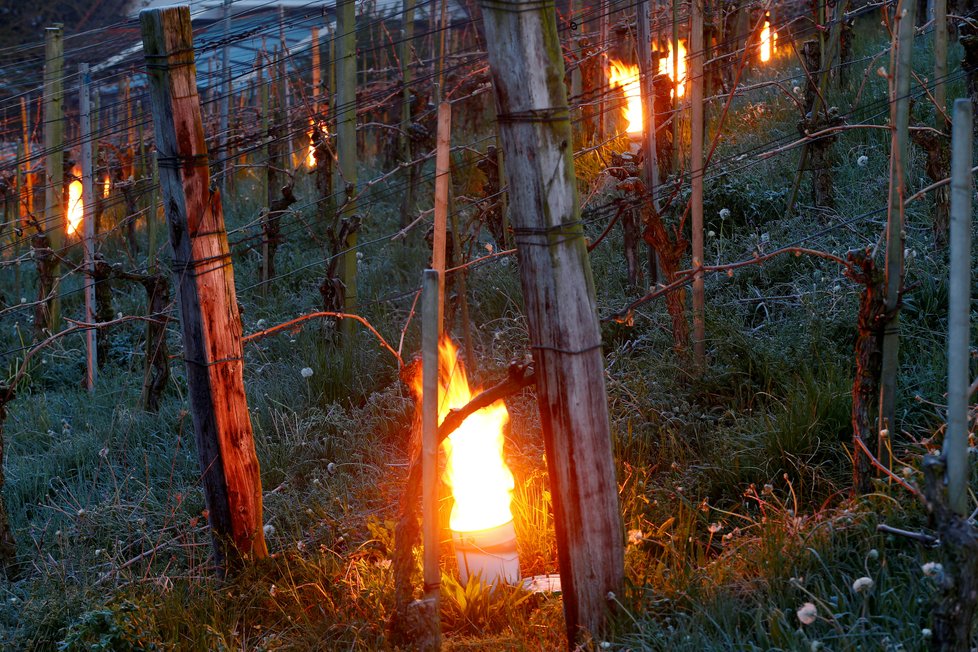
(534, 128)
(443, 175)
(696, 166)
(209, 317)
(900, 129)
(431, 311)
(346, 141)
(54, 211)
(675, 87)
(88, 219)
(959, 295)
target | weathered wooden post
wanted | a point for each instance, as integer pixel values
(53, 224)
(895, 237)
(88, 219)
(346, 142)
(209, 317)
(534, 128)
(696, 168)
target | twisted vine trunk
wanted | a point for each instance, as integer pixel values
(869, 355)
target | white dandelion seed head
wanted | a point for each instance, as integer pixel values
(862, 161)
(724, 213)
(863, 584)
(710, 234)
(306, 372)
(932, 569)
(269, 530)
(926, 633)
(807, 613)
(796, 90)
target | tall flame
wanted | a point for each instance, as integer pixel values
(311, 154)
(769, 42)
(481, 482)
(106, 186)
(667, 67)
(76, 207)
(626, 77)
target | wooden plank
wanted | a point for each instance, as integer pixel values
(558, 289)
(209, 318)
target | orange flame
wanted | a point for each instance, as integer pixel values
(311, 154)
(76, 208)
(666, 66)
(769, 42)
(481, 482)
(106, 186)
(626, 77)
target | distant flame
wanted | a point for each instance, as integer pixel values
(666, 66)
(627, 78)
(769, 42)
(106, 186)
(481, 482)
(76, 207)
(311, 154)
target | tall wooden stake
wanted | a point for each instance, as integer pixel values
(404, 140)
(88, 219)
(28, 165)
(54, 212)
(534, 127)
(225, 137)
(604, 39)
(431, 311)
(696, 166)
(346, 143)
(940, 61)
(900, 126)
(959, 295)
(646, 74)
(443, 176)
(209, 317)
(284, 86)
(675, 87)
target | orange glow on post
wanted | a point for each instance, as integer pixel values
(769, 42)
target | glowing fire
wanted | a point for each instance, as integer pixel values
(76, 208)
(481, 482)
(769, 42)
(106, 186)
(667, 67)
(311, 154)
(627, 78)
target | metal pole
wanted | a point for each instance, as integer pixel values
(959, 309)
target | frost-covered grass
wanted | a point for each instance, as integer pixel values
(734, 487)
